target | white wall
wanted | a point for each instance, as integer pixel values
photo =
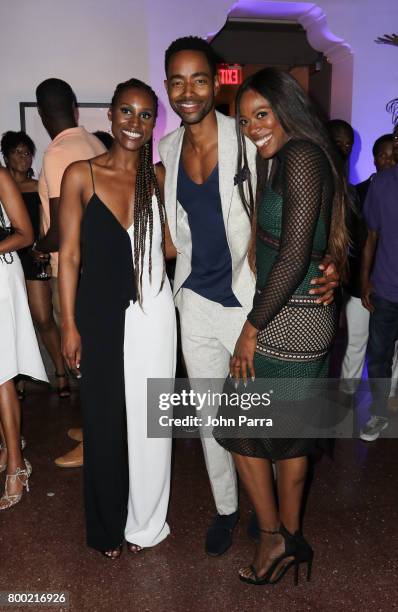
(94, 44)
(375, 80)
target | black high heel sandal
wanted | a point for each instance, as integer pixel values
(297, 550)
(304, 554)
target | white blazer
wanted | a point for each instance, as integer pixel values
(236, 221)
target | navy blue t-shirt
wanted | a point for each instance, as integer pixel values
(381, 214)
(211, 274)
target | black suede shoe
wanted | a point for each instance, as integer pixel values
(219, 535)
(252, 529)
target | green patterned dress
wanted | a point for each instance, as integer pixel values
(295, 333)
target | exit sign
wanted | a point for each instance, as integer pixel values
(230, 74)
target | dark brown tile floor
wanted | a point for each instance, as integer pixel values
(351, 521)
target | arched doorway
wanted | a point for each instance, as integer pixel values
(322, 62)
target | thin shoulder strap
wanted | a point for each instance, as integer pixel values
(92, 175)
(2, 218)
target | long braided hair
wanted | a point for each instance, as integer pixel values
(146, 183)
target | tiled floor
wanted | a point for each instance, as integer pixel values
(351, 521)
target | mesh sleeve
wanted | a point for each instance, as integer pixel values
(303, 171)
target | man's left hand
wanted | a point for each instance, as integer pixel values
(327, 283)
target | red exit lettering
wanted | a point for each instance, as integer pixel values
(230, 76)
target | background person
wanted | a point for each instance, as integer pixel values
(105, 138)
(19, 352)
(357, 316)
(379, 285)
(57, 106)
(342, 135)
(18, 151)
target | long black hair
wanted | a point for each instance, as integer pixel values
(146, 183)
(299, 120)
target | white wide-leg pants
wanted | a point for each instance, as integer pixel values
(149, 352)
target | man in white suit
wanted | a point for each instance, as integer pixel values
(213, 284)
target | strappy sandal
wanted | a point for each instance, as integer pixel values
(297, 550)
(9, 500)
(3, 466)
(134, 549)
(113, 553)
(64, 391)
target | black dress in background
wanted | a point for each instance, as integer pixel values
(33, 204)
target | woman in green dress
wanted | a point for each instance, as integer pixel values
(298, 216)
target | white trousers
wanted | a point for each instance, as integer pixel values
(354, 358)
(149, 352)
(208, 334)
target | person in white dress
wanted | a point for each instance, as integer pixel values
(112, 221)
(19, 351)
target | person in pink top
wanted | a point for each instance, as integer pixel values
(57, 107)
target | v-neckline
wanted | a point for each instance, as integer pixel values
(127, 230)
(194, 182)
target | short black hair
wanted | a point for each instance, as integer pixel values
(192, 43)
(10, 140)
(380, 141)
(339, 125)
(56, 98)
(105, 138)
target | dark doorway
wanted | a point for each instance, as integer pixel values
(256, 44)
